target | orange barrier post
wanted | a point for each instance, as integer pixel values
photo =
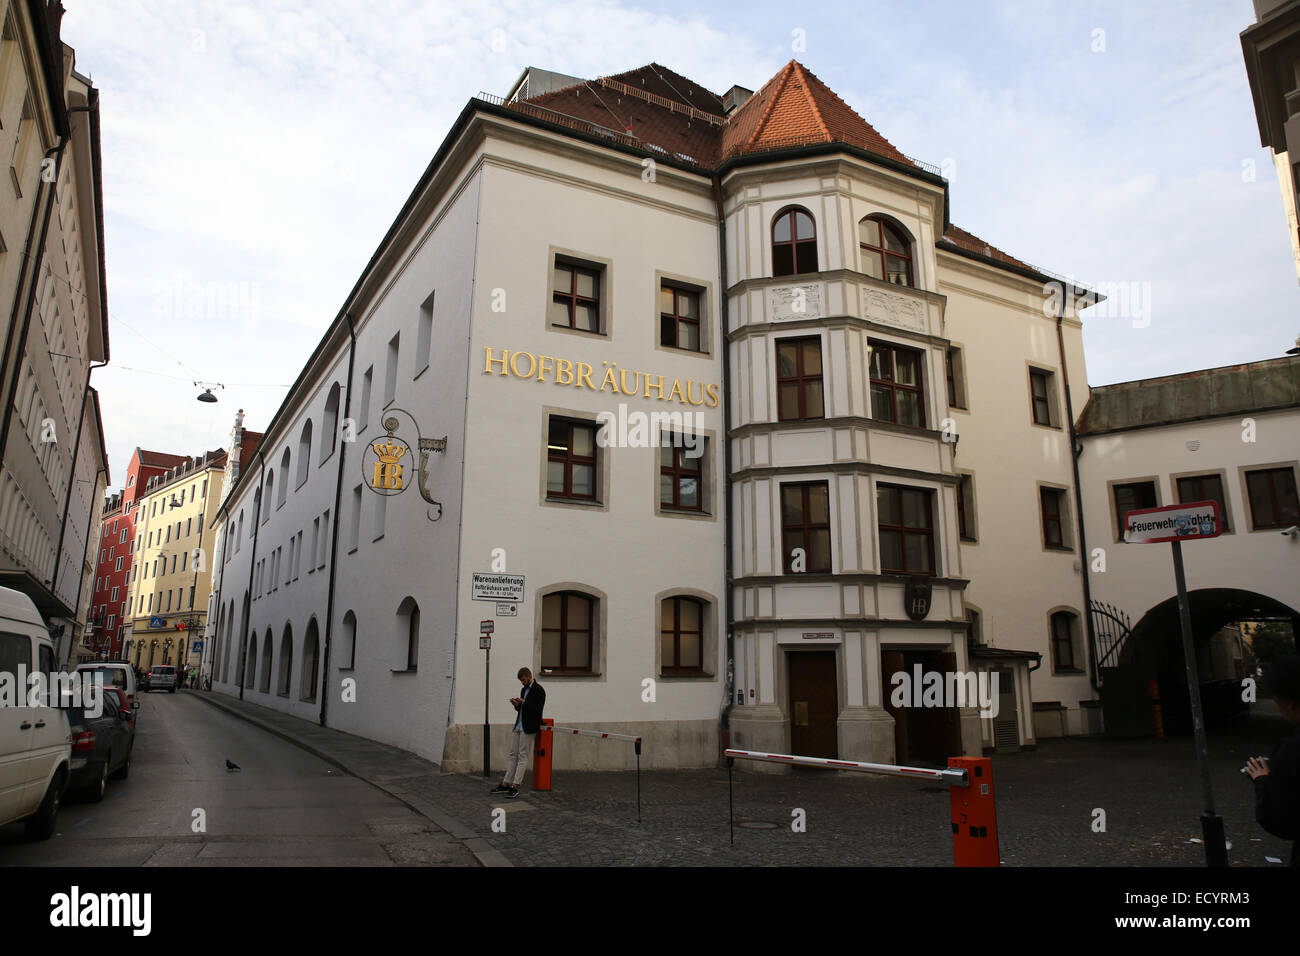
(542, 758)
(974, 814)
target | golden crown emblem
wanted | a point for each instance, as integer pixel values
(389, 452)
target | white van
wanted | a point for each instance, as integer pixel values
(35, 742)
(117, 674)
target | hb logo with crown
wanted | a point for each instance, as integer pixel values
(387, 474)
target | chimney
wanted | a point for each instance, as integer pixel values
(734, 99)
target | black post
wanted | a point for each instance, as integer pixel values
(487, 736)
(637, 745)
(731, 807)
(1216, 852)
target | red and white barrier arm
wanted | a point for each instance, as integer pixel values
(593, 733)
(950, 776)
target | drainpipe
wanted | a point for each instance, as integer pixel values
(729, 679)
(252, 565)
(72, 475)
(1075, 451)
(81, 580)
(14, 349)
(334, 537)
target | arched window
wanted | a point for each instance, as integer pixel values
(284, 477)
(886, 251)
(251, 670)
(794, 242)
(568, 633)
(408, 631)
(349, 640)
(265, 686)
(257, 509)
(270, 487)
(304, 453)
(286, 661)
(681, 635)
(1065, 630)
(310, 662)
(239, 533)
(330, 437)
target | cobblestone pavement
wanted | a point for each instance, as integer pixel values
(1046, 803)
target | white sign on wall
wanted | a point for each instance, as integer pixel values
(497, 587)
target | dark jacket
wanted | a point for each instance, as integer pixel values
(1277, 794)
(532, 708)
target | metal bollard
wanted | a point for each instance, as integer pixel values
(974, 814)
(542, 757)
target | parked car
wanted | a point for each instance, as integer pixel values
(35, 747)
(132, 708)
(117, 674)
(101, 746)
(162, 677)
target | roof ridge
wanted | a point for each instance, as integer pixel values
(780, 79)
(800, 72)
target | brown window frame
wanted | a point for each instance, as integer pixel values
(680, 469)
(677, 631)
(1278, 508)
(883, 251)
(1138, 506)
(794, 242)
(805, 529)
(1068, 618)
(678, 319)
(1057, 517)
(1199, 480)
(572, 299)
(954, 400)
(569, 459)
(564, 630)
(893, 386)
(964, 530)
(800, 380)
(1036, 375)
(904, 530)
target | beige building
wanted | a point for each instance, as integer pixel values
(171, 572)
(53, 319)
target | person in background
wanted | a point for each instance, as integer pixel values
(1277, 780)
(529, 704)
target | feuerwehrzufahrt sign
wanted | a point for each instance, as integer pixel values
(1186, 522)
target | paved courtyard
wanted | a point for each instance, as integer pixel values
(1149, 790)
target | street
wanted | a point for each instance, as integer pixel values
(283, 808)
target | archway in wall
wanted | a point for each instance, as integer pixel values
(1153, 652)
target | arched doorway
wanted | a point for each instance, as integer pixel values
(1148, 666)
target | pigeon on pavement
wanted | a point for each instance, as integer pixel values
(231, 767)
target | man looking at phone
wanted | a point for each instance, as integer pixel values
(1277, 781)
(529, 704)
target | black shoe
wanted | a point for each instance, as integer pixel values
(514, 792)
(500, 788)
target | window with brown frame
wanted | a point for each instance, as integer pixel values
(1133, 496)
(906, 518)
(794, 243)
(799, 379)
(679, 318)
(571, 460)
(681, 473)
(1040, 387)
(956, 372)
(1273, 500)
(966, 508)
(567, 633)
(886, 251)
(681, 635)
(806, 525)
(896, 392)
(1063, 626)
(1204, 488)
(575, 297)
(1054, 523)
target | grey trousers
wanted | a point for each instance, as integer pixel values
(521, 745)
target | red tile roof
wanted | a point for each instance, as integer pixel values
(653, 107)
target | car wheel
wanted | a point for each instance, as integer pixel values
(40, 825)
(95, 792)
(124, 771)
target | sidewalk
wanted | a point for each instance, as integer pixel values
(1047, 803)
(396, 772)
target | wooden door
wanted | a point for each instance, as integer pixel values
(891, 663)
(814, 703)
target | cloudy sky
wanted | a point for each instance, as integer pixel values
(255, 154)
